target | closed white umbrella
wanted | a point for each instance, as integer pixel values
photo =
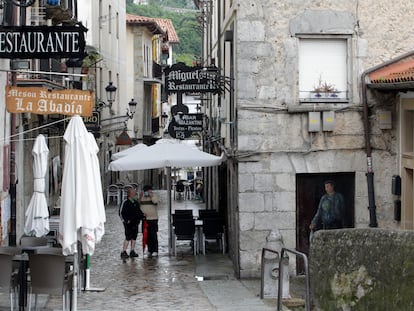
(37, 213)
(82, 212)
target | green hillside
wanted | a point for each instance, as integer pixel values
(183, 15)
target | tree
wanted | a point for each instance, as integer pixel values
(185, 24)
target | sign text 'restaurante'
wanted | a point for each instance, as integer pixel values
(41, 42)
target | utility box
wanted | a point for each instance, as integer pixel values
(314, 121)
(328, 123)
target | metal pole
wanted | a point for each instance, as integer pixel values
(168, 183)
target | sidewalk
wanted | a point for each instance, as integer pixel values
(165, 282)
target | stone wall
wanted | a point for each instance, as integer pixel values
(272, 126)
(362, 269)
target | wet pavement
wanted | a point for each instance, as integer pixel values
(182, 282)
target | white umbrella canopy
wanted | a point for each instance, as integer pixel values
(165, 153)
(37, 213)
(128, 151)
(82, 212)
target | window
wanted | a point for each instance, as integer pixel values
(323, 69)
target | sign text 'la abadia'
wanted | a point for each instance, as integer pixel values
(42, 42)
(40, 100)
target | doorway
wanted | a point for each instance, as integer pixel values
(309, 190)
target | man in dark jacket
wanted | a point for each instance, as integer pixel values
(131, 216)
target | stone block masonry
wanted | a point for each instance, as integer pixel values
(362, 269)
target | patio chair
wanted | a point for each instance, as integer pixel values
(9, 280)
(27, 242)
(125, 192)
(48, 276)
(185, 230)
(113, 193)
(213, 229)
(207, 213)
(133, 184)
(182, 214)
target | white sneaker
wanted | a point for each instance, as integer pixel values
(155, 254)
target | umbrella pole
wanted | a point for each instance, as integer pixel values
(88, 277)
(75, 279)
(168, 175)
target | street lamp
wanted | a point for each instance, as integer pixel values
(110, 96)
(132, 108)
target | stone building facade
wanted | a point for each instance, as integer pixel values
(281, 140)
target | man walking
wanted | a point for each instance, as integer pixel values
(131, 216)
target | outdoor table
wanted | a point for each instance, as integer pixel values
(23, 259)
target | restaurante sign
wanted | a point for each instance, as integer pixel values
(40, 100)
(42, 42)
(180, 78)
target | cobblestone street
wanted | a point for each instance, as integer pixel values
(164, 282)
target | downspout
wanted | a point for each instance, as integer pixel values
(370, 170)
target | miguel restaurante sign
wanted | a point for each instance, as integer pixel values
(40, 100)
(42, 41)
(180, 78)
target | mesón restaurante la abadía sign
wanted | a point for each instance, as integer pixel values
(42, 42)
(41, 100)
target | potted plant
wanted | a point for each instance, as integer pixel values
(324, 90)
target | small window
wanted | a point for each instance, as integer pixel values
(323, 69)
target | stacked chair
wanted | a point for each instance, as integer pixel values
(184, 229)
(9, 274)
(213, 229)
(48, 275)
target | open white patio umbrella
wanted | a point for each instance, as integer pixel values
(168, 154)
(128, 151)
(82, 212)
(37, 213)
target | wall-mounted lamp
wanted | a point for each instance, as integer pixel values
(110, 97)
(132, 108)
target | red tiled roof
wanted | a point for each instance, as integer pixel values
(148, 22)
(402, 71)
(156, 25)
(168, 27)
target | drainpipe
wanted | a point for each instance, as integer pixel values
(370, 170)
